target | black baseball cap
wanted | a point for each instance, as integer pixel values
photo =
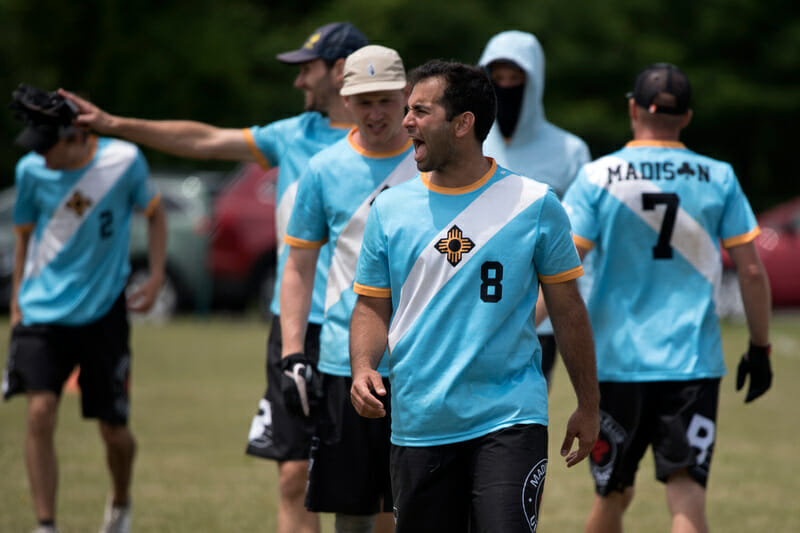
(662, 88)
(330, 42)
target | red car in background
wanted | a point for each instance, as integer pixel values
(243, 239)
(778, 246)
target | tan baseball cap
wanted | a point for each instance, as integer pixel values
(373, 68)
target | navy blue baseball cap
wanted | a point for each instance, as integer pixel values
(330, 42)
(662, 88)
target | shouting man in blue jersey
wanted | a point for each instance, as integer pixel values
(75, 196)
(448, 277)
(652, 214)
(288, 143)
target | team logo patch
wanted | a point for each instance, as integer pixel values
(370, 70)
(532, 493)
(312, 41)
(606, 449)
(260, 435)
(454, 245)
(79, 203)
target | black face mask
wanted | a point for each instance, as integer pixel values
(509, 104)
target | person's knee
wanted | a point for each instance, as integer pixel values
(354, 523)
(617, 501)
(292, 479)
(117, 437)
(42, 409)
(685, 495)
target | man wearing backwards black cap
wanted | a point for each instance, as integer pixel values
(289, 144)
(76, 193)
(654, 214)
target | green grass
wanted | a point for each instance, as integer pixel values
(195, 386)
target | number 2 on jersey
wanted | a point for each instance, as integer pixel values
(662, 249)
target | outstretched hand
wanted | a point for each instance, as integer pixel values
(365, 394)
(584, 425)
(89, 115)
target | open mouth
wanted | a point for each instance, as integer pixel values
(420, 149)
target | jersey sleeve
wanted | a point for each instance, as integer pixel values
(308, 227)
(580, 206)
(372, 272)
(739, 225)
(555, 256)
(25, 210)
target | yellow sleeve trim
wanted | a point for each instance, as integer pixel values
(741, 239)
(375, 292)
(579, 241)
(24, 229)
(251, 143)
(564, 276)
(151, 207)
(302, 243)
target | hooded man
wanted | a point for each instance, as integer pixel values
(522, 139)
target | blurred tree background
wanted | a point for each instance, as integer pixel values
(215, 62)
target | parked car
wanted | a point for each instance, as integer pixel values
(243, 239)
(187, 201)
(778, 246)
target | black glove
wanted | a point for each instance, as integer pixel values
(756, 363)
(301, 384)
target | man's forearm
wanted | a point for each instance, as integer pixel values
(574, 338)
(297, 287)
(369, 330)
(157, 243)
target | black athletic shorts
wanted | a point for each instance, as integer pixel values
(349, 467)
(676, 418)
(275, 433)
(492, 483)
(42, 356)
(548, 344)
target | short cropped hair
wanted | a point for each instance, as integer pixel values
(468, 89)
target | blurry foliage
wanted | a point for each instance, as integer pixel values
(214, 62)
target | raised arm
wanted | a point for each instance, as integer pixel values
(369, 332)
(575, 342)
(184, 138)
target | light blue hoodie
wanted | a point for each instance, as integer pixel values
(537, 149)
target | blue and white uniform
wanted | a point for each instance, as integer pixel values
(537, 148)
(333, 200)
(77, 264)
(654, 212)
(290, 143)
(462, 268)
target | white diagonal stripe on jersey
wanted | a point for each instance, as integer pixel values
(689, 237)
(111, 164)
(480, 221)
(284, 212)
(342, 271)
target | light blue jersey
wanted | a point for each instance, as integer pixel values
(653, 214)
(462, 268)
(77, 263)
(333, 201)
(289, 144)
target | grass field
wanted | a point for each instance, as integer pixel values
(195, 386)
